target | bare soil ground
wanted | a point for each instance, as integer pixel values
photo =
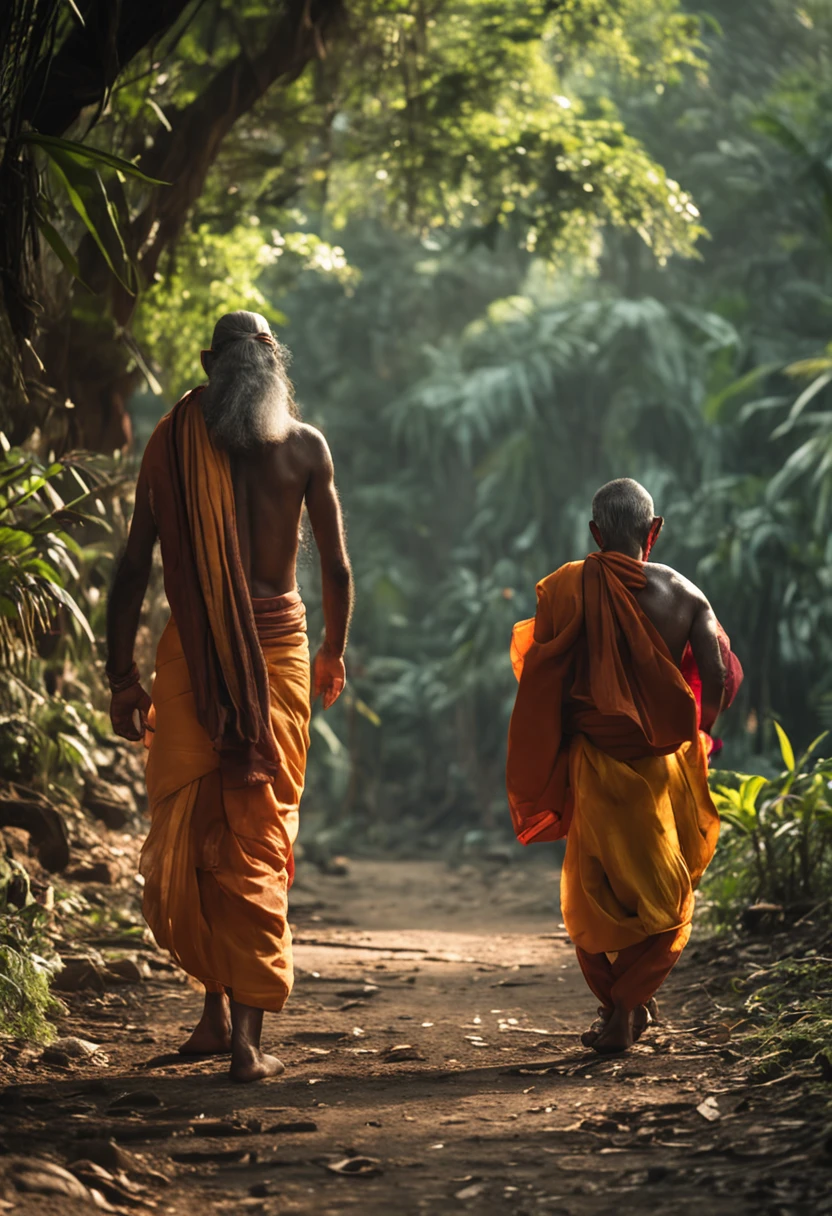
(433, 1065)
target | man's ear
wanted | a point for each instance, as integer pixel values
(653, 535)
(206, 358)
(596, 534)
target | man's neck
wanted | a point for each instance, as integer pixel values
(633, 550)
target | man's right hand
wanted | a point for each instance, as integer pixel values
(123, 709)
(329, 676)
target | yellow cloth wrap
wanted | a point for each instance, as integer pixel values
(641, 836)
(217, 861)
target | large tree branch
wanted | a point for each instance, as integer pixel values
(183, 156)
(92, 56)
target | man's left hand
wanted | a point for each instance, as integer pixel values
(329, 676)
(124, 707)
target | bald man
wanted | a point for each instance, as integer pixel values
(222, 485)
(622, 674)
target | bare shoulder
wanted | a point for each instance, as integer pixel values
(311, 443)
(665, 580)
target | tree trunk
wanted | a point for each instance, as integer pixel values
(94, 374)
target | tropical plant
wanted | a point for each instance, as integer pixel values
(39, 503)
(47, 735)
(780, 830)
(27, 961)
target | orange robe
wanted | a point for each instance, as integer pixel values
(605, 748)
(230, 733)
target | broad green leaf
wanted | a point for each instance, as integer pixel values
(60, 247)
(750, 789)
(83, 154)
(75, 745)
(715, 405)
(365, 711)
(78, 180)
(808, 394)
(66, 599)
(13, 542)
(786, 750)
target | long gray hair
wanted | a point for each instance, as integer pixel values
(248, 400)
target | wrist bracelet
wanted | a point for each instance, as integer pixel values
(123, 682)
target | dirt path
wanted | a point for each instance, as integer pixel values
(432, 1058)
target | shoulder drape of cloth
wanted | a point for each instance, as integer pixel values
(230, 734)
(192, 498)
(591, 663)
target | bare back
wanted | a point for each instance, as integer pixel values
(671, 604)
(681, 613)
(271, 485)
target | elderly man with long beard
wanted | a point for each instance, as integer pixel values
(622, 674)
(222, 485)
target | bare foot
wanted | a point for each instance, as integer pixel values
(589, 1037)
(254, 1065)
(212, 1033)
(622, 1030)
(248, 1062)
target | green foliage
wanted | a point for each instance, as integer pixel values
(48, 741)
(76, 169)
(212, 273)
(474, 398)
(39, 503)
(777, 834)
(49, 730)
(789, 1009)
(499, 141)
(27, 964)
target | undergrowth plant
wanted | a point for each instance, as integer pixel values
(776, 845)
(27, 963)
(48, 727)
(789, 1012)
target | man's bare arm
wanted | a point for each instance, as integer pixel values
(325, 517)
(704, 642)
(124, 607)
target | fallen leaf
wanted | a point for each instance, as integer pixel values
(356, 1167)
(470, 1192)
(402, 1051)
(709, 1110)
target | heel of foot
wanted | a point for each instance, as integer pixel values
(256, 1067)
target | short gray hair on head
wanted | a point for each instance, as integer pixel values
(623, 511)
(248, 400)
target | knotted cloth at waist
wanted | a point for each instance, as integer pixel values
(278, 615)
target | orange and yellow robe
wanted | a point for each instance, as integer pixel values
(605, 749)
(230, 733)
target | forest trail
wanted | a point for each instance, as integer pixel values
(432, 1065)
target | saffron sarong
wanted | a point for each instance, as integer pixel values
(229, 733)
(605, 749)
(217, 862)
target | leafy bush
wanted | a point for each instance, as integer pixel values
(777, 839)
(48, 728)
(27, 959)
(39, 502)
